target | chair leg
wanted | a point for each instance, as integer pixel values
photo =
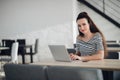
(31, 55)
(107, 75)
(23, 58)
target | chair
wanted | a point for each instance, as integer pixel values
(22, 43)
(73, 73)
(14, 52)
(13, 58)
(23, 47)
(24, 72)
(36, 46)
(111, 75)
(35, 50)
(7, 43)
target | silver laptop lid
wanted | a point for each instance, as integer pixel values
(59, 53)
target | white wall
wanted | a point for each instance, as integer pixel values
(51, 21)
(48, 20)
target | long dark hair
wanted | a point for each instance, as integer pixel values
(93, 29)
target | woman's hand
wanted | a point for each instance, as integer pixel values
(74, 57)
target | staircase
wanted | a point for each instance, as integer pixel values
(110, 9)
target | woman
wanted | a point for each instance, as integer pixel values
(90, 41)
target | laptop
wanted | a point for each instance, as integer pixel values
(60, 53)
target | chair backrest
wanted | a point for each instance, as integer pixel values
(7, 42)
(73, 73)
(113, 45)
(111, 41)
(24, 72)
(14, 53)
(22, 42)
(36, 45)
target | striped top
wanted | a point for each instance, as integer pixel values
(90, 47)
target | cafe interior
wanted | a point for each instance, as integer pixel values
(27, 27)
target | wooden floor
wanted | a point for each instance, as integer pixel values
(2, 76)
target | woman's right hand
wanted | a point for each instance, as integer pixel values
(74, 57)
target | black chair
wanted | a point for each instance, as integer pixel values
(7, 43)
(113, 45)
(21, 49)
(113, 55)
(13, 56)
(111, 75)
(22, 43)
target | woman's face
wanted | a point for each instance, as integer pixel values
(83, 25)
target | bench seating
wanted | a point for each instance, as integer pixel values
(38, 72)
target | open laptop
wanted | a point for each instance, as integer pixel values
(60, 53)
